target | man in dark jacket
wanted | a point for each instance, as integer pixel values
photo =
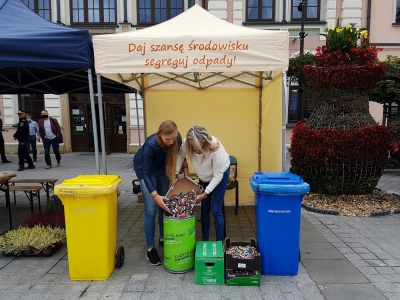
(50, 132)
(22, 135)
(2, 148)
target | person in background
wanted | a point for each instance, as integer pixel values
(212, 165)
(22, 135)
(394, 152)
(50, 132)
(33, 136)
(154, 165)
(4, 159)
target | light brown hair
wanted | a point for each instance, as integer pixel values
(167, 128)
(198, 134)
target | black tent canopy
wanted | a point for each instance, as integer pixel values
(41, 57)
(38, 56)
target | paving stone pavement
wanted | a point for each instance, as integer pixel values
(341, 257)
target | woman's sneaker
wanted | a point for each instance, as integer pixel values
(161, 243)
(153, 257)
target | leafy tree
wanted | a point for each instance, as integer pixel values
(387, 90)
(295, 70)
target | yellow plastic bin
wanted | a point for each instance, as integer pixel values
(90, 207)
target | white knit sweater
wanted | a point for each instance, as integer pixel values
(213, 167)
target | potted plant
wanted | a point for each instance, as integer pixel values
(53, 216)
(38, 239)
(341, 149)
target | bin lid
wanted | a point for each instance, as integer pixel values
(278, 183)
(88, 185)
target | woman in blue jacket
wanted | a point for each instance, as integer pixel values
(155, 165)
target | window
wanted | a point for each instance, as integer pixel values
(260, 10)
(156, 11)
(311, 11)
(93, 12)
(31, 104)
(398, 12)
(307, 108)
(41, 7)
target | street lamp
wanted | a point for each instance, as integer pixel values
(302, 8)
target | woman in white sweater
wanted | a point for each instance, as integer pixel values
(211, 164)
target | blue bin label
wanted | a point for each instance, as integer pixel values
(279, 211)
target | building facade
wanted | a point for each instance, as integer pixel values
(123, 113)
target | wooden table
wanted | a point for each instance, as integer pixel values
(47, 184)
(4, 182)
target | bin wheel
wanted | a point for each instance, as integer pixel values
(120, 257)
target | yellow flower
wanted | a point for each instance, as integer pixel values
(338, 29)
(331, 27)
(348, 27)
(363, 34)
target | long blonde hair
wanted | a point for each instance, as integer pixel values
(167, 128)
(198, 134)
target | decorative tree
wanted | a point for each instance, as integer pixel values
(341, 149)
(387, 90)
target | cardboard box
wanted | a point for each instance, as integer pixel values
(209, 263)
(242, 272)
(184, 184)
(234, 278)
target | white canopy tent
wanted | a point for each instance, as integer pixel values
(194, 41)
(197, 51)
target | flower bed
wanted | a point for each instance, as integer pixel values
(344, 77)
(31, 241)
(338, 161)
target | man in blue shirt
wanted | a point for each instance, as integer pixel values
(33, 136)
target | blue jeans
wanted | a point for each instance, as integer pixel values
(55, 144)
(213, 203)
(32, 141)
(161, 182)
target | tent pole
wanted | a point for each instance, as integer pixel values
(94, 121)
(101, 117)
(259, 124)
(144, 108)
(137, 118)
(284, 122)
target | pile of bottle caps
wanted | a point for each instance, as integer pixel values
(182, 204)
(242, 252)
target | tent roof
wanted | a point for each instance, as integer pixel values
(194, 41)
(38, 56)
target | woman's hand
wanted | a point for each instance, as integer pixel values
(160, 201)
(172, 184)
(201, 197)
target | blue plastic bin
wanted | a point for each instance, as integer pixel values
(278, 197)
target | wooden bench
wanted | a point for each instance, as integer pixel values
(47, 184)
(31, 191)
(5, 176)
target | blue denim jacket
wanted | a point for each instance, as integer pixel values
(150, 157)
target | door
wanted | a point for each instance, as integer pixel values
(115, 128)
(79, 128)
